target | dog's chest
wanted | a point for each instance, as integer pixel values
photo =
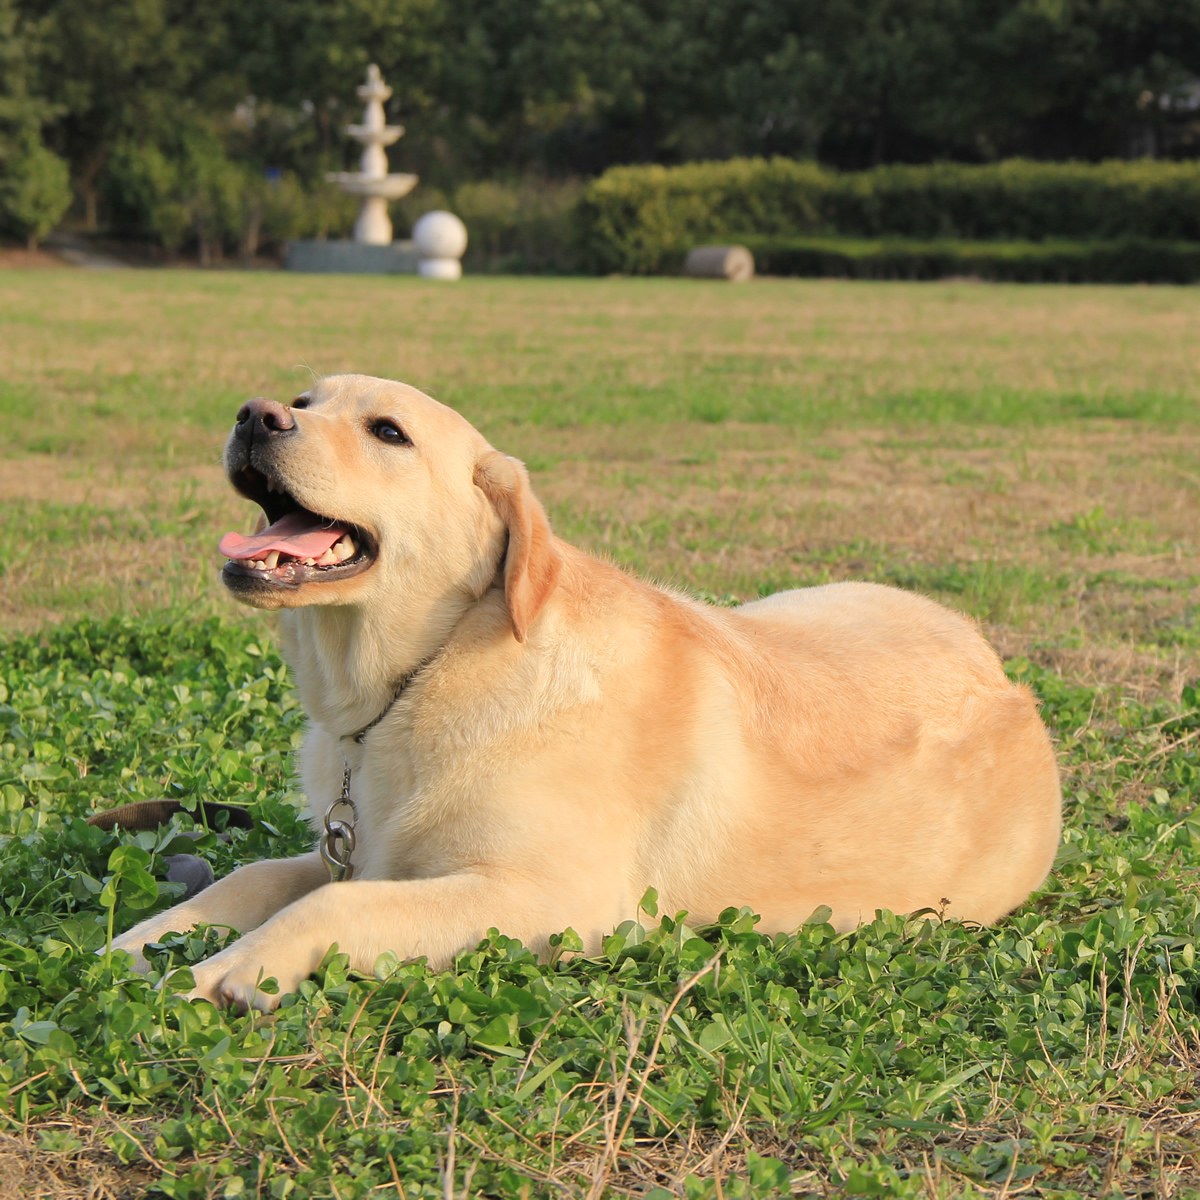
(391, 811)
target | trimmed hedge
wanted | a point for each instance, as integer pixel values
(1127, 260)
(643, 220)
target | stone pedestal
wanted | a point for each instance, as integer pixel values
(441, 240)
(352, 258)
(374, 226)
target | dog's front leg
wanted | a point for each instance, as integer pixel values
(243, 900)
(433, 918)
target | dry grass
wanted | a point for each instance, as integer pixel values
(64, 1158)
(727, 439)
(516, 351)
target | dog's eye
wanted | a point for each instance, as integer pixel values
(300, 402)
(386, 430)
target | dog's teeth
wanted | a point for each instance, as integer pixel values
(256, 564)
(272, 560)
(271, 485)
(327, 559)
(343, 549)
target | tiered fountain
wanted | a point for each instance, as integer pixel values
(372, 250)
(372, 182)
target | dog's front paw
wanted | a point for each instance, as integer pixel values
(134, 941)
(237, 978)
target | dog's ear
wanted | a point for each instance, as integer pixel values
(532, 563)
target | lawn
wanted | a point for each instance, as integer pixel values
(1030, 455)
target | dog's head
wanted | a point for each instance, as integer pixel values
(371, 492)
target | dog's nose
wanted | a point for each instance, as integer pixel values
(259, 419)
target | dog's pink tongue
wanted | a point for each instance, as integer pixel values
(299, 534)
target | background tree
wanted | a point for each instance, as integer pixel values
(501, 90)
(34, 189)
(127, 71)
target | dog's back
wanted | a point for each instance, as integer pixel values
(888, 761)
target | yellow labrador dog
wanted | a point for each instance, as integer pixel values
(505, 731)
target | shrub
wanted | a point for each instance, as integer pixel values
(193, 194)
(278, 209)
(143, 191)
(35, 189)
(1127, 260)
(324, 210)
(213, 188)
(644, 219)
(527, 226)
(521, 226)
(1019, 199)
(490, 212)
(409, 210)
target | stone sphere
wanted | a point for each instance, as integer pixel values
(440, 235)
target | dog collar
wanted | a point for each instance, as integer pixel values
(405, 680)
(361, 735)
(337, 838)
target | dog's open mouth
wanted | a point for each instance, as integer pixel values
(297, 546)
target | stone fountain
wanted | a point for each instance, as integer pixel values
(439, 237)
(372, 181)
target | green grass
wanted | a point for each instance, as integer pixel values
(1025, 454)
(562, 352)
(875, 1063)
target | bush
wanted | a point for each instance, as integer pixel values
(194, 195)
(178, 197)
(524, 227)
(643, 220)
(1128, 260)
(35, 190)
(321, 210)
(1023, 200)
(279, 209)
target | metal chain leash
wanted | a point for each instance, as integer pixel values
(337, 842)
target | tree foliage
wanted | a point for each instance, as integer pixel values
(34, 190)
(568, 88)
